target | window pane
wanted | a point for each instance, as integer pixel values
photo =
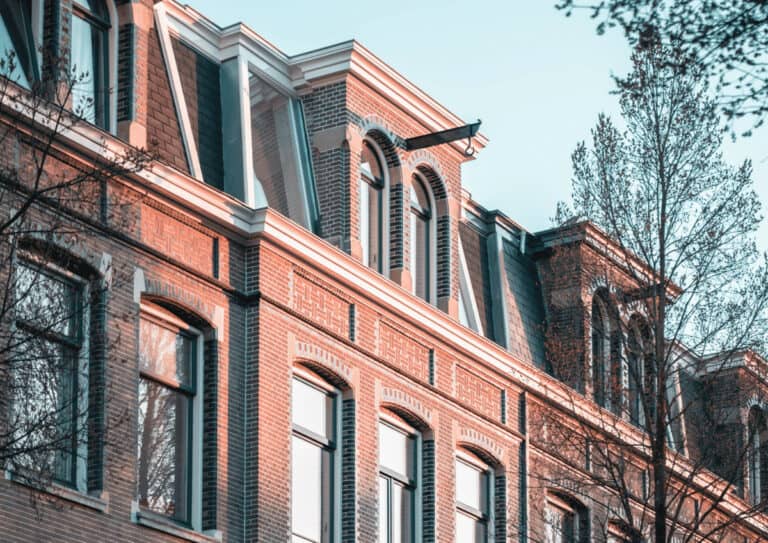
(8, 49)
(370, 166)
(166, 353)
(47, 302)
(383, 509)
(420, 255)
(395, 450)
(82, 66)
(365, 222)
(307, 489)
(311, 408)
(470, 486)
(469, 529)
(402, 513)
(164, 443)
(374, 228)
(45, 407)
(560, 526)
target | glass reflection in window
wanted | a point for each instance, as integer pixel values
(397, 484)
(167, 390)
(421, 215)
(371, 204)
(312, 449)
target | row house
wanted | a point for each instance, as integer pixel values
(294, 324)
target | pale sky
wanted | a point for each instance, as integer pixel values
(536, 79)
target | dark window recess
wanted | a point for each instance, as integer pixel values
(209, 122)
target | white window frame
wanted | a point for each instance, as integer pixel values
(485, 517)
(414, 484)
(431, 242)
(196, 468)
(334, 448)
(578, 514)
(111, 62)
(384, 207)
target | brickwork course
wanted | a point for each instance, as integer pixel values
(276, 286)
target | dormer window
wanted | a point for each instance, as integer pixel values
(421, 217)
(88, 61)
(372, 183)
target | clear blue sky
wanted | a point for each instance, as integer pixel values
(536, 79)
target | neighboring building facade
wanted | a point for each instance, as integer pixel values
(307, 332)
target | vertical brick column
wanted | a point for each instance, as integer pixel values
(136, 20)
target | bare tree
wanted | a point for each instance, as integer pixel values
(53, 306)
(727, 40)
(677, 306)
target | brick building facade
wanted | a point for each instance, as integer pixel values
(362, 350)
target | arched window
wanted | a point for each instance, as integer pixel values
(170, 418)
(372, 187)
(474, 499)
(565, 520)
(17, 42)
(88, 61)
(757, 456)
(314, 445)
(398, 481)
(421, 219)
(637, 347)
(600, 349)
(607, 374)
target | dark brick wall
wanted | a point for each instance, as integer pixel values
(163, 129)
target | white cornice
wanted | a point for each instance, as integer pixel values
(302, 71)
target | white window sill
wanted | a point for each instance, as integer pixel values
(99, 503)
(166, 525)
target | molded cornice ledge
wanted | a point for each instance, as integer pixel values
(320, 66)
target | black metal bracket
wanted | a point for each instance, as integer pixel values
(445, 136)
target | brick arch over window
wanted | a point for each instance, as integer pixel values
(497, 509)
(39, 256)
(606, 340)
(442, 243)
(427, 470)
(346, 430)
(385, 143)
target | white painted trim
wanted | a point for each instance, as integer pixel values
(467, 292)
(433, 216)
(385, 204)
(179, 102)
(246, 137)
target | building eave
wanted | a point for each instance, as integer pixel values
(300, 73)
